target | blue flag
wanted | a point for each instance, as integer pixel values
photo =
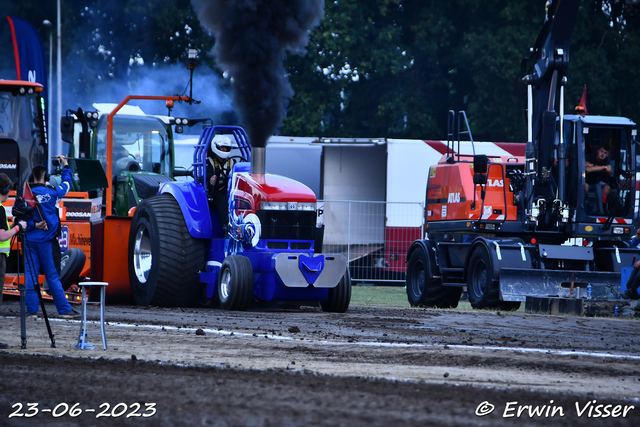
(28, 52)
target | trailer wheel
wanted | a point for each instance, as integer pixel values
(235, 285)
(164, 259)
(339, 297)
(423, 290)
(71, 264)
(482, 288)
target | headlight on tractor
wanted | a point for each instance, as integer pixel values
(273, 206)
(287, 206)
(306, 207)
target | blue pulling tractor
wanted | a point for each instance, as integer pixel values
(265, 250)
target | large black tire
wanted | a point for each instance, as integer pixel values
(425, 291)
(71, 264)
(339, 297)
(235, 284)
(484, 291)
(164, 259)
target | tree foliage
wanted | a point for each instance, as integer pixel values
(373, 68)
(416, 60)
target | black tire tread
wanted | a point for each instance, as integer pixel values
(72, 269)
(434, 294)
(491, 297)
(339, 297)
(181, 257)
(241, 291)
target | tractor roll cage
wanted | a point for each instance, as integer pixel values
(200, 153)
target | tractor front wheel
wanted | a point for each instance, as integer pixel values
(339, 297)
(235, 285)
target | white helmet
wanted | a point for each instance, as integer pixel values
(221, 146)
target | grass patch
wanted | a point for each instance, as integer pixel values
(394, 296)
(387, 296)
(379, 296)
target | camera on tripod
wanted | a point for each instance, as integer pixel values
(21, 210)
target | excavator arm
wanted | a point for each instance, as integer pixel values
(545, 78)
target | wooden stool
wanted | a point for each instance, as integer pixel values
(82, 337)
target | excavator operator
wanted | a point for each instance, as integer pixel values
(598, 170)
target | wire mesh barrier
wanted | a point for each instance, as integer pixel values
(373, 236)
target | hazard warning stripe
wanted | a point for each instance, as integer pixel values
(600, 220)
(616, 220)
(493, 217)
(492, 149)
(490, 217)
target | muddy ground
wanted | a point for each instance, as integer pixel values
(368, 367)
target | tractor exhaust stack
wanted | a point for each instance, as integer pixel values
(258, 160)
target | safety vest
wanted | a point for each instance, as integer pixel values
(5, 247)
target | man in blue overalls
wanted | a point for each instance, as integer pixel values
(38, 241)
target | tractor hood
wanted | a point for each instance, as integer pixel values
(257, 188)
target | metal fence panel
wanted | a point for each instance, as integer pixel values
(374, 236)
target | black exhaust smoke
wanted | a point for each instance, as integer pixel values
(251, 37)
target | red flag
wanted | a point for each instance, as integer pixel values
(582, 107)
(28, 196)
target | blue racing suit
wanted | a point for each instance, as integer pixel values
(39, 247)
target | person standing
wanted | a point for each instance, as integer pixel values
(38, 241)
(633, 282)
(6, 232)
(55, 248)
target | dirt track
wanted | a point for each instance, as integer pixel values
(370, 366)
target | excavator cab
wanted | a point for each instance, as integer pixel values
(600, 141)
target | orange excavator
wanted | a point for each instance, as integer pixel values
(549, 221)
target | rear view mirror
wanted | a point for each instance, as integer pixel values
(480, 162)
(66, 129)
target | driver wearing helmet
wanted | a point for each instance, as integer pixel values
(219, 152)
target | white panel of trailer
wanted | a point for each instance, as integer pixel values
(480, 147)
(408, 165)
(353, 173)
(301, 162)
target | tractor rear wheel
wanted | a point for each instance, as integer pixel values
(483, 290)
(235, 284)
(340, 296)
(164, 259)
(425, 291)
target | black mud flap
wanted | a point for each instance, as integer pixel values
(516, 284)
